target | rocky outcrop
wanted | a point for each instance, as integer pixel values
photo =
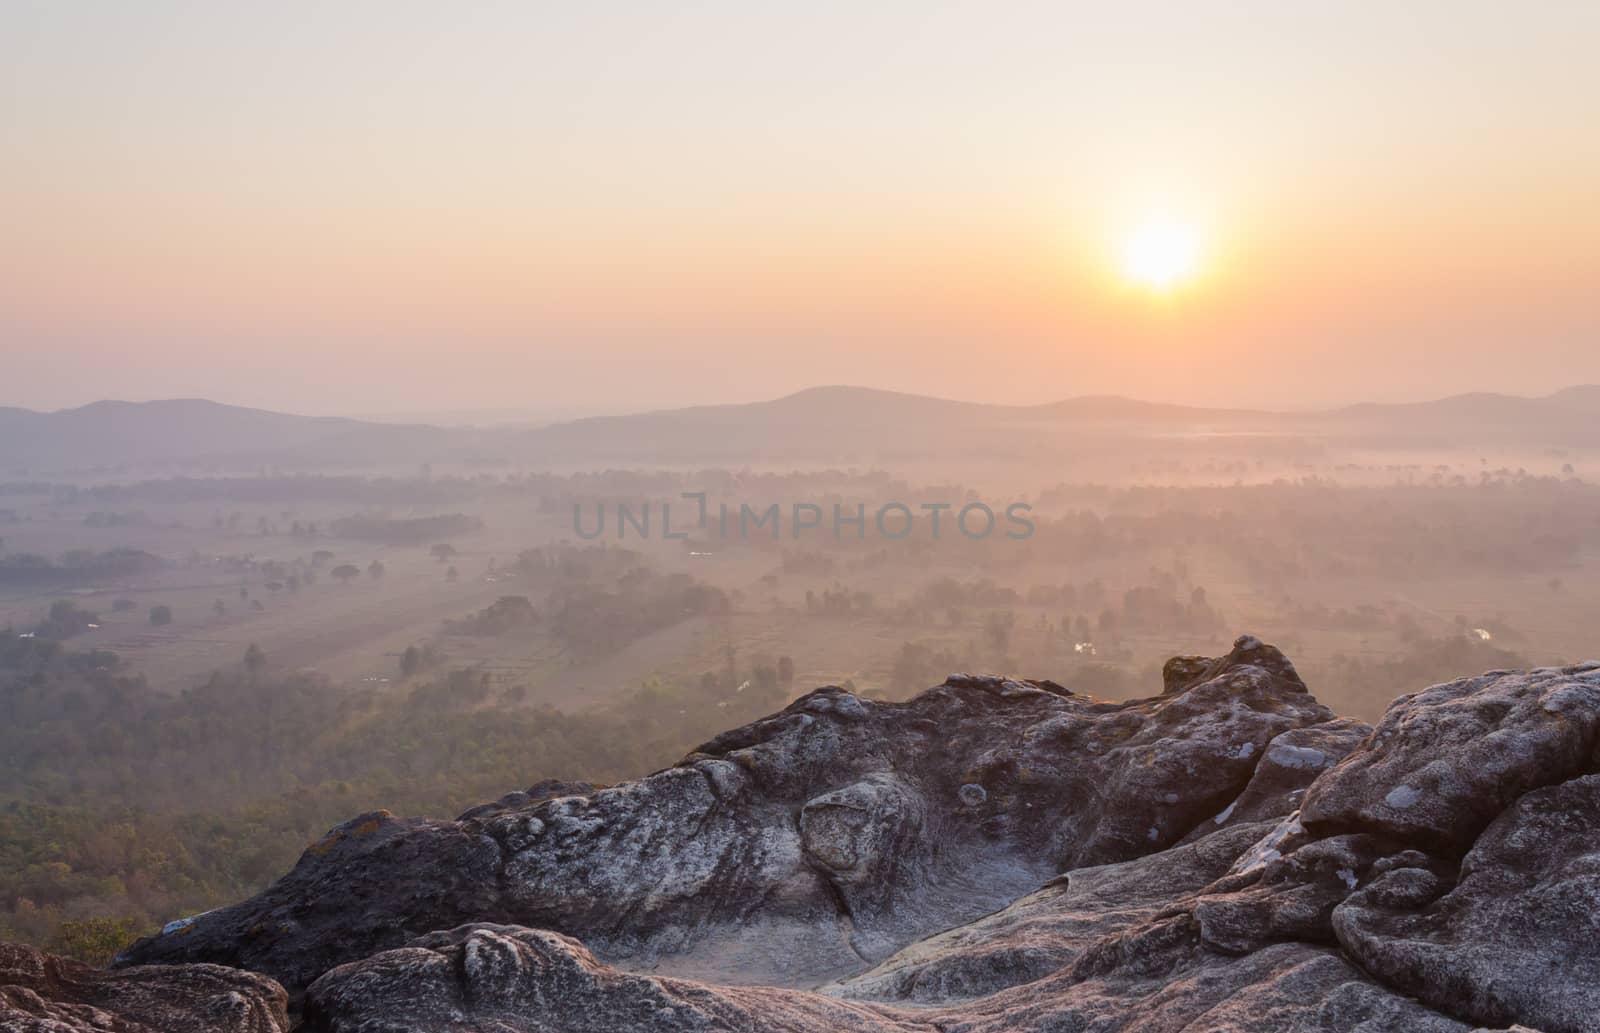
(1445, 762)
(1516, 938)
(1048, 929)
(993, 856)
(41, 993)
(495, 979)
(803, 847)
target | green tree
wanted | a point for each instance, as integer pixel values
(95, 941)
(254, 660)
(997, 629)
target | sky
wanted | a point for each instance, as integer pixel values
(400, 206)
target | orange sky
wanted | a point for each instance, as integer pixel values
(399, 206)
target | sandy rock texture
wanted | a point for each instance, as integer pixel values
(41, 993)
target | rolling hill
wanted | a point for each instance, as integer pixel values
(836, 425)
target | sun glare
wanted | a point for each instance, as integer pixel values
(1161, 256)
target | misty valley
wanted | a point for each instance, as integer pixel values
(907, 517)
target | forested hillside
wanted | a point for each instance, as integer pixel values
(124, 807)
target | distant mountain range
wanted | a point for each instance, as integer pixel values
(824, 424)
(189, 432)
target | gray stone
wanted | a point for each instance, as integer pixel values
(1443, 763)
(42, 993)
(1518, 936)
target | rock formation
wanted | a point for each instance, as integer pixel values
(803, 847)
(41, 993)
(993, 855)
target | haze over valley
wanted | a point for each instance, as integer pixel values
(419, 621)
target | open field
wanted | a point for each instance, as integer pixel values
(237, 572)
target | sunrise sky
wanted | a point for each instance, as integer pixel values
(394, 206)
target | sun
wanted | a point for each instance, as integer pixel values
(1161, 255)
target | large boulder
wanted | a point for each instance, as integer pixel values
(803, 847)
(498, 979)
(1445, 762)
(1517, 938)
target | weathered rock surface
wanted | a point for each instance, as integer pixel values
(1444, 762)
(1518, 936)
(495, 979)
(41, 993)
(992, 857)
(1046, 930)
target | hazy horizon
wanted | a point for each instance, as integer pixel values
(404, 208)
(531, 415)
